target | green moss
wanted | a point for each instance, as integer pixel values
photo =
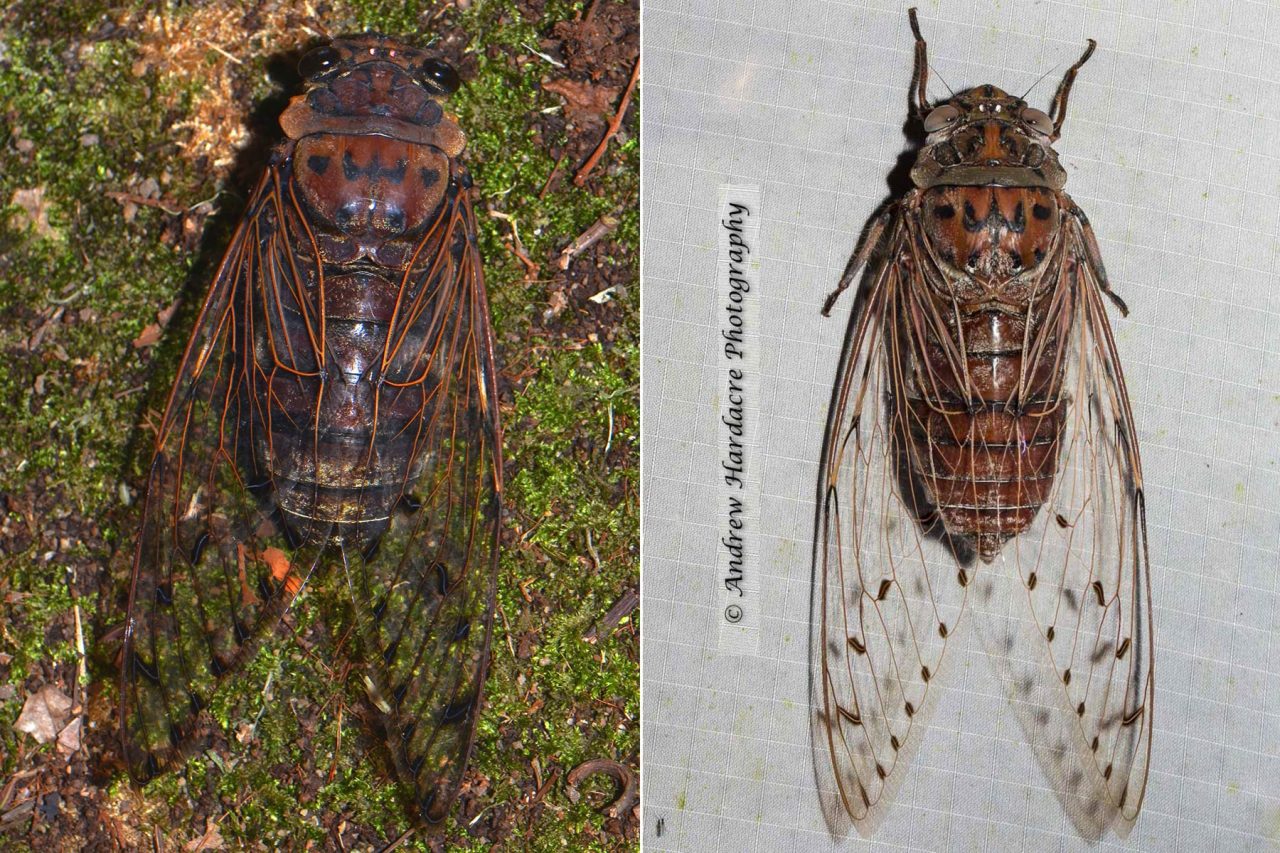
(77, 410)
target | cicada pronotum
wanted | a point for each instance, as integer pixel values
(334, 420)
(981, 446)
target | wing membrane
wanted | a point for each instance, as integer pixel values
(1071, 629)
(891, 594)
(205, 581)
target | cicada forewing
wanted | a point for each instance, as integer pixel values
(335, 421)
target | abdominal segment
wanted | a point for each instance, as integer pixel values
(984, 399)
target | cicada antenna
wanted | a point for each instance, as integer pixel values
(1058, 109)
(920, 74)
(1039, 80)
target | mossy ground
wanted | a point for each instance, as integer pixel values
(145, 104)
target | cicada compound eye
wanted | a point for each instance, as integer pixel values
(439, 76)
(318, 62)
(941, 117)
(1036, 120)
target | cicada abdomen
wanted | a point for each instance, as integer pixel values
(334, 422)
(986, 411)
(981, 431)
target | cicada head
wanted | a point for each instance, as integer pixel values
(987, 137)
(370, 84)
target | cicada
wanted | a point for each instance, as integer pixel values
(981, 455)
(334, 422)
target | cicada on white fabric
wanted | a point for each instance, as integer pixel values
(981, 456)
(334, 422)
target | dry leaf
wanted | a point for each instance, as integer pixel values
(211, 840)
(164, 315)
(584, 103)
(556, 303)
(69, 737)
(44, 713)
(149, 337)
(246, 592)
(34, 213)
(278, 562)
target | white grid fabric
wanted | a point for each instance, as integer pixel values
(1169, 146)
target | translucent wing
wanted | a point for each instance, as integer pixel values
(1069, 602)
(211, 567)
(892, 594)
(423, 594)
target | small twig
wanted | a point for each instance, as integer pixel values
(581, 178)
(591, 549)
(517, 247)
(337, 747)
(76, 293)
(221, 51)
(82, 672)
(401, 840)
(541, 792)
(587, 239)
(543, 192)
(147, 202)
(609, 441)
(502, 611)
(557, 63)
(619, 611)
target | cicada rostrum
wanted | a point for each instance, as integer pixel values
(981, 446)
(334, 421)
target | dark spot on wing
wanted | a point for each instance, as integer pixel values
(457, 710)
(197, 550)
(145, 669)
(389, 654)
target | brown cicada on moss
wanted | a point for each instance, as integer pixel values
(334, 421)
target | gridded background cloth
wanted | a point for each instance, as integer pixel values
(1170, 144)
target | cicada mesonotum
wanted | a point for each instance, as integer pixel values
(334, 421)
(981, 446)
